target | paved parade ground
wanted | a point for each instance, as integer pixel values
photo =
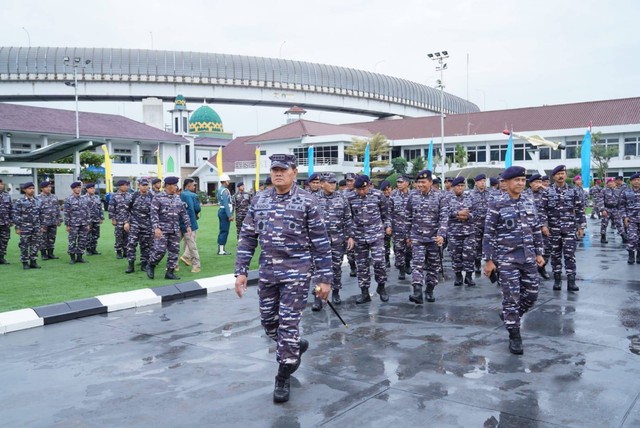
(205, 361)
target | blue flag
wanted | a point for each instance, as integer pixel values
(367, 167)
(585, 155)
(310, 156)
(508, 157)
(430, 156)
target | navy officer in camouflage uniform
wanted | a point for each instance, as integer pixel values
(371, 222)
(566, 222)
(539, 195)
(461, 232)
(385, 188)
(5, 222)
(27, 217)
(51, 219)
(480, 196)
(400, 226)
(96, 217)
(287, 224)
(138, 226)
(119, 215)
(77, 219)
(630, 212)
(241, 202)
(167, 211)
(512, 246)
(427, 213)
(350, 178)
(607, 205)
(337, 219)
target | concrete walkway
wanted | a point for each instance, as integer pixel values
(204, 361)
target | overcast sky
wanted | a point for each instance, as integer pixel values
(520, 53)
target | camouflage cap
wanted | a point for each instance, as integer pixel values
(328, 177)
(283, 161)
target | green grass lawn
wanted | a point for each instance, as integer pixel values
(58, 281)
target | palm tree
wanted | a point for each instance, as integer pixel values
(378, 150)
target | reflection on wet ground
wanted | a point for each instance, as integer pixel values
(205, 361)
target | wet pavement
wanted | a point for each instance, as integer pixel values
(205, 361)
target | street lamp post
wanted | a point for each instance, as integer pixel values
(77, 61)
(439, 57)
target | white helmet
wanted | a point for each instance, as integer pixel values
(224, 177)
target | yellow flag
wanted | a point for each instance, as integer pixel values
(159, 161)
(219, 162)
(257, 184)
(108, 178)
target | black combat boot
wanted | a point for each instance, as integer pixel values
(428, 293)
(3, 261)
(477, 265)
(79, 259)
(131, 268)
(401, 275)
(73, 259)
(353, 273)
(625, 239)
(317, 304)
(143, 266)
(304, 345)
(387, 263)
(335, 297)
(458, 282)
(151, 271)
(170, 275)
(515, 342)
(416, 297)
(632, 257)
(603, 238)
(557, 281)
(44, 254)
(119, 254)
(25, 265)
(571, 283)
(51, 255)
(637, 258)
(34, 265)
(382, 293)
(283, 386)
(364, 296)
(468, 279)
(543, 272)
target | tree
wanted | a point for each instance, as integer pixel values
(418, 164)
(399, 165)
(378, 150)
(601, 154)
(460, 156)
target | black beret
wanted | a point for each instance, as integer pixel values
(457, 180)
(448, 179)
(480, 177)
(534, 177)
(620, 178)
(239, 184)
(558, 169)
(384, 185)
(121, 183)
(436, 180)
(45, 184)
(342, 183)
(545, 178)
(361, 181)
(171, 180)
(156, 180)
(425, 173)
(89, 185)
(513, 172)
(634, 176)
(493, 181)
(76, 184)
(313, 177)
(268, 182)
(26, 185)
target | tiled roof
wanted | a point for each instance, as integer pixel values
(566, 116)
(236, 150)
(301, 128)
(22, 118)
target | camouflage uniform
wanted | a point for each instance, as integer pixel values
(595, 193)
(370, 216)
(400, 229)
(630, 209)
(5, 222)
(481, 203)
(140, 228)
(51, 219)
(339, 225)
(351, 254)
(167, 212)
(540, 200)
(241, 202)
(96, 216)
(292, 236)
(77, 218)
(461, 234)
(609, 201)
(119, 211)
(387, 238)
(27, 217)
(427, 214)
(512, 240)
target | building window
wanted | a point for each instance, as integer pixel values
(263, 152)
(498, 152)
(520, 152)
(476, 154)
(572, 149)
(546, 153)
(631, 146)
(610, 142)
(176, 130)
(148, 157)
(122, 155)
(187, 154)
(411, 154)
(185, 126)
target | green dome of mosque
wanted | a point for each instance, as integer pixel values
(205, 119)
(180, 102)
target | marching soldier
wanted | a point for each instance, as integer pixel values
(461, 232)
(51, 219)
(5, 222)
(337, 219)
(607, 206)
(630, 211)
(241, 202)
(138, 227)
(565, 222)
(427, 213)
(385, 188)
(513, 247)
(622, 230)
(594, 193)
(96, 217)
(119, 215)
(166, 214)
(27, 218)
(400, 226)
(539, 195)
(480, 196)
(546, 182)
(77, 221)
(314, 184)
(156, 186)
(350, 179)
(286, 222)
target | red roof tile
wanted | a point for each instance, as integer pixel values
(301, 128)
(236, 150)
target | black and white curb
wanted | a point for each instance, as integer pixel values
(22, 319)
